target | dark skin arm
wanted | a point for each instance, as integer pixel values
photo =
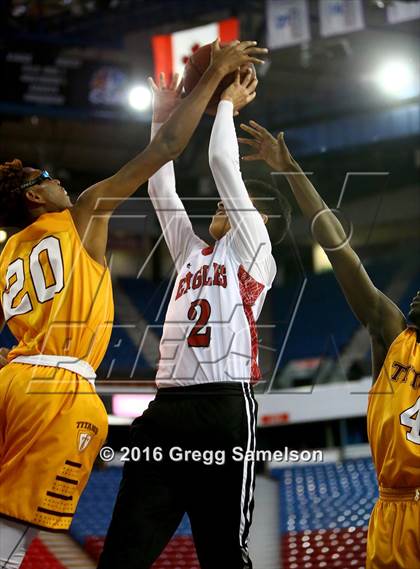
(95, 205)
(375, 310)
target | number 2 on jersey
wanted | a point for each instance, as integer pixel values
(196, 338)
(411, 418)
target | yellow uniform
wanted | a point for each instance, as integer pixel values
(394, 436)
(57, 302)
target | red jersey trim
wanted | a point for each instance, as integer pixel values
(250, 290)
(207, 250)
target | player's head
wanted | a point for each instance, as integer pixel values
(26, 193)
(273, 206)
(414, 314)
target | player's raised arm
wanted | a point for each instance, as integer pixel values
(174, 135)
(96, 204)
(249, 233)
(374, 310)
(174, 221)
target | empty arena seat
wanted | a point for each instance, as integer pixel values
(322, 306)
(316, 549)
(151, 298)
(93, 517)
(180, 552)
(122, 355)
(39, 557)
(321, 313)
(95, 507)
(324, 513)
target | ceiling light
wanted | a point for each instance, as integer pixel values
(140, 98)
(398, 79)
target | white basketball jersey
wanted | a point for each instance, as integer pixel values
(210, 333)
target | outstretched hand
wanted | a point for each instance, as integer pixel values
(165, 99)
(272, 150)
(241, 92)
(237, 53)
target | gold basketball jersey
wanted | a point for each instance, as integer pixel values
(394, 415)
(56, 299)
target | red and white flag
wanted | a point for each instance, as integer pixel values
(171, 52)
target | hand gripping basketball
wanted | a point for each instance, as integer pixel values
(226, 60)
(234, 55)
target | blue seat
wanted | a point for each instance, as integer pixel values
(96, 504)
(326, 496)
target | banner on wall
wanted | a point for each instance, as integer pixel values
(287, 23)
(171, 51)
(340, 16)
(45, 77)
(402, 12)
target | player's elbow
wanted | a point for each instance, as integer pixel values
(173, 148)
(217, 160)
(168, 144)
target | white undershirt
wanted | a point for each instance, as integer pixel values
(250, 239)
(249, 235)
(174, 221)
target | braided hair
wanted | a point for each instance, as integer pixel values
(13, 210)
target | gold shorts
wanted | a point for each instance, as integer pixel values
(52, 426)
(394, 530)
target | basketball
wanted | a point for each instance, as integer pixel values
(196, 66)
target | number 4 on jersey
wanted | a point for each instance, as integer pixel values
(411, 418)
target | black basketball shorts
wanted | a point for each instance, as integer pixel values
(190, 450)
